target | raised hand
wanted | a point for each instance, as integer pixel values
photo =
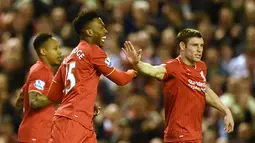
(132, 55)
(229, 122)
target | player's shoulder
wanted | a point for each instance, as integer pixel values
(39, 69)
(90, 49)
(171, 62)
(201, 65)
(97, 50)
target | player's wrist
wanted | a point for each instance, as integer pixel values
(133, 73)
(227, 111)
(138, 63)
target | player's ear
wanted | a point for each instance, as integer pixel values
(182, 45)
(89, 32)
(43, 51)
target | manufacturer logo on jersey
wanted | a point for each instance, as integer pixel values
(39, 84)
(108, 62)
(202, 75)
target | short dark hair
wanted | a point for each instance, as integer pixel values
(187, 33)
(39, 40)
(82, 19)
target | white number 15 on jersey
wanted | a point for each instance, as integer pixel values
(70, 78)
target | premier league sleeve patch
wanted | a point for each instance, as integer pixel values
(39, 84)
(108, 62)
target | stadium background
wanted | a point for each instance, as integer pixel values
(134, 113)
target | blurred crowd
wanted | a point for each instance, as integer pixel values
(134, 113)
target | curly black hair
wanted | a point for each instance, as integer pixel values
(82, 19)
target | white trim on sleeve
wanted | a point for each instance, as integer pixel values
(111, 72)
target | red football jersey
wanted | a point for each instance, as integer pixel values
(76, 82)
(36, 123)
(184, 88)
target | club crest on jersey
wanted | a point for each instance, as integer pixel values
(39, 84)
(108, 62)
(202, 75)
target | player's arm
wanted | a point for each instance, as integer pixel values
(153, 71)
(121, 78)
(38, 87)
(103, 64)
(37, 100)
(20, 100)
(134, 58)
(213, 100)
(56, 88)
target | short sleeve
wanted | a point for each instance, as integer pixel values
(38, 81)
(170, 67)
(57, 86)
(101, 62)
(204, 68)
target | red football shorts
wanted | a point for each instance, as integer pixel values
(65, 130)
(193, 141)
(37, 141)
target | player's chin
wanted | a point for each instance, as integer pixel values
(57, 62)
(197, 59)
(101, 44)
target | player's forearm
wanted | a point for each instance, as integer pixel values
(121, 78)
(145, 68)
(40, 101)
(213, 100)
(55, 93)
(20, 101)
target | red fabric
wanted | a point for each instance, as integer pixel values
(65, 130)
(184, 100)
(121, 78)
(36, 123)
(77, 80)
(56, 88)
(194, 141)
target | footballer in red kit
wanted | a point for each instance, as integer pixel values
(38, 110)
(75, 84)
(184, 84)
(185, 89)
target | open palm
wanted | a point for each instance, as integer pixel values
(132, 55)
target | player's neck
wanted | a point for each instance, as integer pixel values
(88, 39)
(186, 61)
(45, 61)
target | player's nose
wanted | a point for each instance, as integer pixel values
(59, 53)
(105, 31)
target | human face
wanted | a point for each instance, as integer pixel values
(99, 31)
(52, 51)
(193, 49)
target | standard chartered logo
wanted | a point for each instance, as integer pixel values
(197, 85)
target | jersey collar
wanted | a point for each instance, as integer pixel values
(182, 63)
